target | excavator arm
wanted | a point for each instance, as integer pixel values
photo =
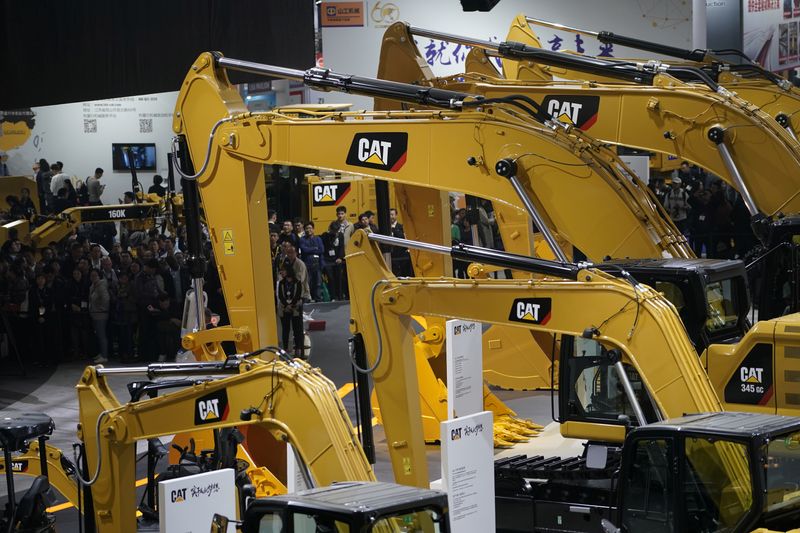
(57, 227)
(295, 402)
(457, 151)
(712, 128)
(772, 94)
(635, 320)
(60, 471)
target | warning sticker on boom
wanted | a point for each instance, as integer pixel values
(227, 242)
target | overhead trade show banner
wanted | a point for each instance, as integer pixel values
(188, 504)
(468, 472)
(771, 33)
(353, 48)
(464, 368)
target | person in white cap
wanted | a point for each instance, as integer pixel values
(676, 202)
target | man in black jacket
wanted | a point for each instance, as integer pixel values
(401, 259)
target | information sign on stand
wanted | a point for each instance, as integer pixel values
(187, 504)
(468, 472)
(464, 368)
(467, 438)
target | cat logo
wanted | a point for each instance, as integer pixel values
(20, 466)
(382, 151)
(328, 193)
(751, 375)
(752, 382)
(211, 408)
(455, 434)
(578, 111)
(531, 310)
(177, 495)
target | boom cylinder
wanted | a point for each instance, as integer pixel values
(327, 80)
(488, 256)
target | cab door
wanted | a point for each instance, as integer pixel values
(647, 496)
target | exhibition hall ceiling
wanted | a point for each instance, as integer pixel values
(56, 52)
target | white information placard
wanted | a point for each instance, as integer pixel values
(187, 504)
(294, 477)
(639, 165)
(468, 471)
(464, 368)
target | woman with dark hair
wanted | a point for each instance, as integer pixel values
(43, 177)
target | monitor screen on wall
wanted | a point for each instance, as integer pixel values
(142, 154)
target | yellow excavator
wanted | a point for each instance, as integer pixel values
(608, 329)
(680, 110)
(635, 228)
(677, 110)
(144, 211)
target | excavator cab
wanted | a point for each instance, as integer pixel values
(711, 472)
(775, 274)
(350, 508)
(720, 317)
(732, 472)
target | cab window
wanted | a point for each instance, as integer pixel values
(721, 306)
(270, 523)
(304, 523)
(595, 390)
(783, 472)
(717, 484)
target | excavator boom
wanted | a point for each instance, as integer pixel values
(699, 122)
(296, 403)
(622, 315)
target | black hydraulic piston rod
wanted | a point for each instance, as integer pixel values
(633, 72)
(326, 80)
(698, 55)
(203, 368)
(363, 403)
(468, 253)
(608, 37)
(194, 230)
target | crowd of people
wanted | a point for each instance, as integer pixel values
(101, 294)
(710, 213)
(77, 300)
(57, 190)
